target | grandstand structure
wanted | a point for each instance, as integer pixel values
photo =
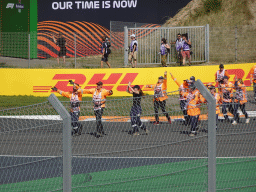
(38, 153)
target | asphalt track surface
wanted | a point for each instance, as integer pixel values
(32, 149)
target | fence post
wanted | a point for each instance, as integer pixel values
(236, 43)
(126, 46)
(207, 43)
(67, 152)
(211, 135)
(75, 47)
(29, 50)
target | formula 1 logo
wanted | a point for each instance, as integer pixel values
(9, 5)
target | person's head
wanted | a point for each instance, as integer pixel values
(164, 40)
(221, 67)
(192, 79)
(184, 36)
(160, 79)
(225, 79)
(192, 87)
(240, 81)
(179, 36)
(103, 37)
(212, 90)
(99, 85)
(75, 88)
(132, 37)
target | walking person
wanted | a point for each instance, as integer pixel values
(164, 50)
(133, 51)
(99, 95)
(240, 101)
(226, 90)
(61, 43)
(160, 96)
(178, 44)
(186, 49)
(105, 51)
(183, 88)
(136, 109)
(75, 99)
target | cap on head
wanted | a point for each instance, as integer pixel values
(221, 66)
(99, 83)
(136, 86)
(161, 77)
(192, 78)
(225, 77)
(132, 35)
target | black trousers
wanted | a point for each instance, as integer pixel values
(236, 114)
(135, 118)
(75, 120)
(224, 109)
(162, 105)
(98, 114)
(194, 122)
(184, 111)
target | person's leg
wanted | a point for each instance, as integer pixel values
(156, 108)
(130, 58)
(135, 59)
(101, 63)
(242, 107)
(235, 113)
(58, 59)
(163, 106)
(224, 110)
(108, 64)
(74, 121)
(189, 58)
(163, 60)
(194, 121)
(106, 60)
(98, 115)
(184, 111)
(133, 116)
(64, 60)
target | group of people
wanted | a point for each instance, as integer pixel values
(230, 97)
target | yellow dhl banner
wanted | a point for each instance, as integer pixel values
(38, 82)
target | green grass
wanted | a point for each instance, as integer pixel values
(232, 175)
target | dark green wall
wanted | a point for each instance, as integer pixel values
(16, 26)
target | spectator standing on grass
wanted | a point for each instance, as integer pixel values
(240, 100)
(253, 79)
(105, 51)
(226, 92)
(186, 49)
(219, 75)
(99, 95)
(133, 51)
(136, 109)
(75, 99)
(160, 96)
(61, 43)
(178, 44)
(164, 50)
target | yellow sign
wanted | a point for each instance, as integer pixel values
(38, 82)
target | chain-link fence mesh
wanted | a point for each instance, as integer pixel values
(162, 159)
(30, 149)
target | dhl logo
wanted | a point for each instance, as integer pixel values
(109, 83)
(116, 78)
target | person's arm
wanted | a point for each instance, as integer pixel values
(64, 94)
(226, 74)
(167, 46)
(175, 80)
(54, 40)
(132, 90)
(216, 77)
(188, 41)
(251, 74)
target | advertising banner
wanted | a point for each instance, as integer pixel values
(38, 82)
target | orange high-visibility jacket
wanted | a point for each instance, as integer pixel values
(160, 90)
(102, 93)
(219, 75)
(182, 88)
(193, 102)
(72, 97)
(227, 92)
(253, 73)
(241, 94)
